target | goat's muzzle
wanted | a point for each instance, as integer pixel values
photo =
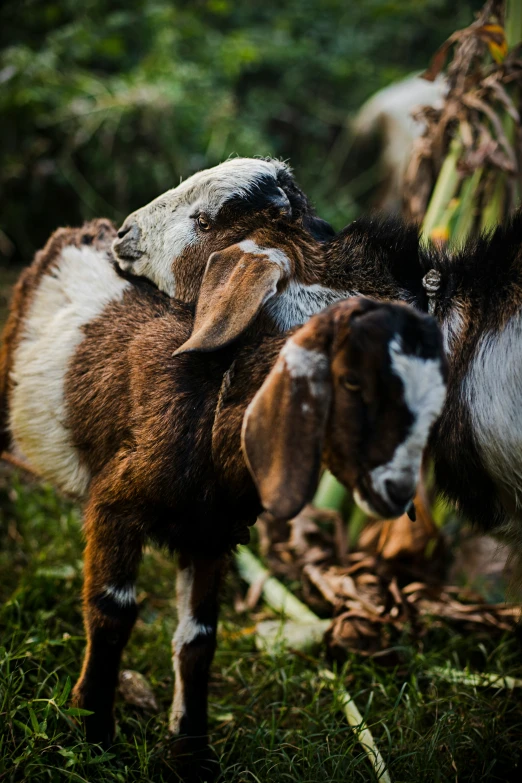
(396, 500)
(126, 246)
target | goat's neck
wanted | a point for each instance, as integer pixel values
(380, 259)
(354, 262)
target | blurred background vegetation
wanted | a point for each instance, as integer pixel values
(104, 105)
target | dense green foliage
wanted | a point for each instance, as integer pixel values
(272, 719)
(105, 104)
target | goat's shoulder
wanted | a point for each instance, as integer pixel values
(483, 277)
(121, 371)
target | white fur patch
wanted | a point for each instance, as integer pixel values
(492, 391)
(452, 328)
(163, 247)
(272, 253)
(188, 629)
(424, 394)
(167, 224)
(300, 362)
(72, 293)
(123, 596)
(298, 303)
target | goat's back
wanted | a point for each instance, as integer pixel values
(69, 282)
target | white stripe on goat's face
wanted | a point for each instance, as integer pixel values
(160, 232)
(424, 392)
(313, 366)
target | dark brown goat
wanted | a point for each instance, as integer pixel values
(105, 398)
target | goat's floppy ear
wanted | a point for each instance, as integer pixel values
(236, 284)
(285, 424)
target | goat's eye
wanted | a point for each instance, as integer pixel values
(203, 223)
(350, 383)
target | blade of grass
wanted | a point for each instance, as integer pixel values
(477, 680)
(356, 721)
(279, 598)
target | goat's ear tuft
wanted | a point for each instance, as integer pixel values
(236, 284)
(285, 425)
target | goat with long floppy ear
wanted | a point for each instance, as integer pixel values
(236, 284)
(284, 427)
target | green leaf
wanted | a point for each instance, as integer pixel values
(77, 712)
(60, 700)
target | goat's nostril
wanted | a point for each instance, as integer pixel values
(399, 494)
(123, 230)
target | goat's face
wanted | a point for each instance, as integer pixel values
(388, 377)
(359, 386)
(170, 240)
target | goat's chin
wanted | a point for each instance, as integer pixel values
(365, 506)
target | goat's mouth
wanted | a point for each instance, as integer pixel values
(126, 253)
(376, 506)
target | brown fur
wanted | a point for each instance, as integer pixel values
(161, 437)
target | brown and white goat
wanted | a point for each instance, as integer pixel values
(478, 441)
(107, 398)
(476, 296)
(170, 240)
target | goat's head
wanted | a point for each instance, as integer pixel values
(359, 386)
(170, 240)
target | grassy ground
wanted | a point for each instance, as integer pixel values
(272, 719)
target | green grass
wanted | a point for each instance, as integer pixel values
(272, 719)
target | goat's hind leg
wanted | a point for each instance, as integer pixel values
(112, 557)
(197, 591)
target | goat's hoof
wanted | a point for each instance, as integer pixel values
(188, 760)
(98, 727)
(100, 735)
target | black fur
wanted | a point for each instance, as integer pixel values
(383, 257)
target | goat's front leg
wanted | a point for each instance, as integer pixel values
(112, 556)
(197, 591)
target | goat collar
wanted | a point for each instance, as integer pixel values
(431, 284)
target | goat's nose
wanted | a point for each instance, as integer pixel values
(127, 245)
(400, 493)
(123, 230)
(130, 231)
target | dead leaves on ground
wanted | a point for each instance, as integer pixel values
(393, 583)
